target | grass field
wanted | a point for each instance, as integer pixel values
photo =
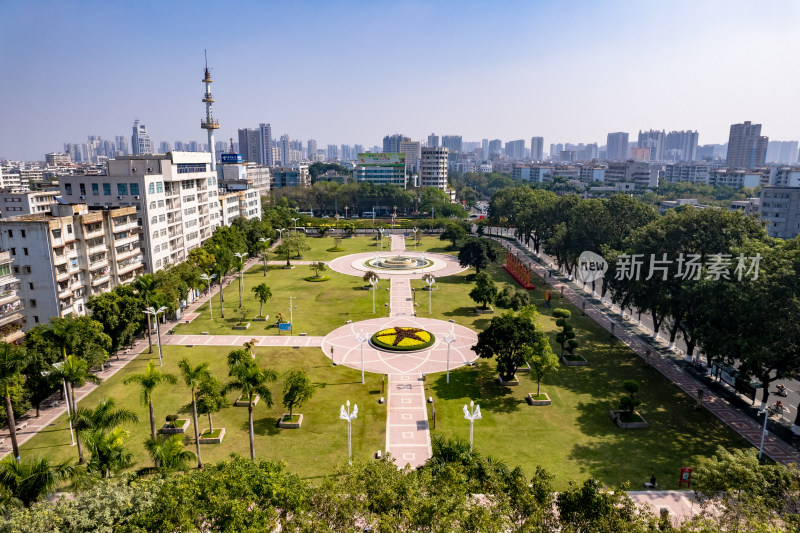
(320, 245)
(313, 450)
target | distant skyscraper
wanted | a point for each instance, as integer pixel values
(122, 144)
(265, 145)
(782, 152)
(250, 146)
(433, 168)
(163, 147)
(747, 148)
(485, 148)
(515, 149)
(285, 146)
(140, 140)
(412, 151)
(311, 148)
(617, 146)
(681, 146)
(433, 140)
(654, 140)
(537, 148)
(391, 143)
(452, 143)
(333, 151)
(495, 145)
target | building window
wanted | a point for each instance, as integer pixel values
(135, 189)
(13, 251)
(33, 303)
(161, 203)
(23, 234)
(30, 285)
(26, 270)
(68, 188)
(35, 319)
(122, 189)
(186, 168)
(154, 220)
(69, 228)
(82, 187)
(25, 251)
(106, 189)
(95, 189)
(10, 233)
(151, 188)
(162, 218)
(159, 186)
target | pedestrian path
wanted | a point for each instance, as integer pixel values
(407, 436)
(239, 340)
(401, 303)
(776, 448)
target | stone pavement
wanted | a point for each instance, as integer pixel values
(775, 448)
(407, 436)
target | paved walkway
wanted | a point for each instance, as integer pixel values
(407, 436)
(239, 340)
(777, 449)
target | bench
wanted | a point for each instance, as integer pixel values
(22, 426)
(649, 485)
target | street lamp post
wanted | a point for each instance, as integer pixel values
(430, 280)
(345, 211)
(415, 230)
(362, 339)
(264, 242)
(155, 313)
(66, 401)
(765, 412)
(373, 280)
(241, 257)
(347, 414)
(291, 314)
(449, 339)
(295, 223)
(208, 279)
(472, 413)
(380, 230)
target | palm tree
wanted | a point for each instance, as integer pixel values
(193, 376)
(27, 481)
(210, 399)
(75, 372)
(88, 421)
(13, 361)
(108, 450)
(148, 381)
(263, 293)
(251, 381)
(168, 454)
(145, 285)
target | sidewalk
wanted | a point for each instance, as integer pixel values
(777, 449)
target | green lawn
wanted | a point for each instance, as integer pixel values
(320, 245)
(311, 451)
(318, 305)
(574, 437)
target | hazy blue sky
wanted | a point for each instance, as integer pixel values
(351, 72)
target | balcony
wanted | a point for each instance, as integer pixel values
(8, 296)
(63, 275)
(125, 224)
(59, 259)
(92, 230)
(98, 244)
(125, 254)
(124, 269)
(11, 312)
(66, 292)
(102, 279)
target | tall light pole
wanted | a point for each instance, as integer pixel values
(380, 230)
(155, 313)
(66, 401)
(373, 280)
(415, 230)
(347, 414)
(763, 432)
(280, 233)
(362, 339)
(208, 279)
(430, 280)
(337, 221)
(472, 413)
(295, 223)
(241, 257)
(264, 249)
(291, 314)
(449, 339)
(345, 211)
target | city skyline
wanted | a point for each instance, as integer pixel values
(488, 83)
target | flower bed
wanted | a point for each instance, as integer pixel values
(403, 339)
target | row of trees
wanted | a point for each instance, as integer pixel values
(735, 492)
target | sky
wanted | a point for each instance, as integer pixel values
(347, 72)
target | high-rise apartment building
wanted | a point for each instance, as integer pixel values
(654, 140)
(294, 176)
(780, 211)
(453, 143)
(64, 257)
(311, 149)
(433, 167)
(12, 319)
(122, 145)
(537, 148)
(412, 151)
(391, 143)
(681, 146)
(140, 140)
(516, 149)
(617, 146)
(333, 152)
(747, 148)
(495, 146)
(286, 150)
(15, 203)
(433, 141)
(631, 172)
(250, 146)
(782, 152)
(175, 196)
(265, 145)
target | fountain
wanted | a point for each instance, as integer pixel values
(398, 262)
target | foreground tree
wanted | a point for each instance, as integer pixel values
(210, 398)
(108, 452)
(565, 337)
(27, 481)
(477, 253)
(453, 232)
(485, 291)
(168, 454)
(506, 339)
(263, 294)
(148, 381)
(193, 376)
(91, 425)
(75, 372)
(541, 359)
(317, 267)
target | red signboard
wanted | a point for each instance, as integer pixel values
(686, 477)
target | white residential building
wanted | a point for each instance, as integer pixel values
(15, 203)
(12, 319)
(433, 167)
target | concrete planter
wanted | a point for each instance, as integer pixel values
(429, 289)
(628, 425)
(291, 425)
(243, 326)
(287, 267)
(580, 362)
(241, 402)
(513, 383)
(167, 430)
(261, 319)
(213, 440)
(526, 368)
(484, 311)
(536, 403)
